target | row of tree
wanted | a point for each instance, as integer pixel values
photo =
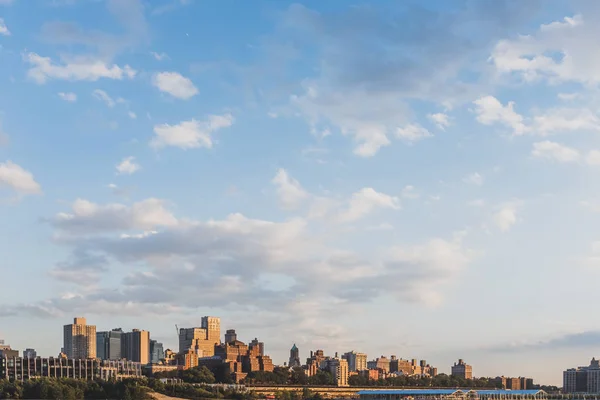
(73, 389)
(441, 380)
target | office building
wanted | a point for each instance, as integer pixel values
(462, 370)
(202, 340)
(294, 360)
(29, 353)
(80, 339)
(157, 352)
(135, 346)
(356, 361)
(108, 344)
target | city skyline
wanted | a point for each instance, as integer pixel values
(414, 178)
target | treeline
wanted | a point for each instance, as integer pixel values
(197, 391)
(73, 389)
(441, 381)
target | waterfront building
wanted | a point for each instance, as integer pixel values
(22, 369)
(135, 346)
(462, 370)
(294, 357)
(80, 339)
(582, 379)
(451, 394)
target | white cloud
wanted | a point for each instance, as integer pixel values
(70, 96)
(568, 96)
(3, 28)
(103, 96)
(175, 84)
(490, 111)
(409, 192)
(412, 133)
(441, 120)
(560, 120)
(132, 115)
(366, 118)
(506, 216)
(19, 179)
(128, 166)
(474, 179)
(593, 157)
(562, 51)
(75, 69)
(159, 57)
(88, 217)
(365, 201)
(291, 194)
(554, 151)
(190, 134)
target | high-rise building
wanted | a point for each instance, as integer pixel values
(259, 346)
(213, 329)
(135, 346)
(80, 339)
(582, 379)
(108, 344)
(383, 363)
(462, 370)
(202, 340)
(157, 352)
(230, 336)
(356, 361)
(339, 369)
(29, 353)
(294, 357)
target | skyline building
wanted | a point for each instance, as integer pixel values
(230, 336)
(356, 361)
(582, 379)
(108, 344)
(294, 360)
(462, 370)
(339, 369)
(157, 352)
(79, 339)
(135, 346)
(201, 340)
(29, 353)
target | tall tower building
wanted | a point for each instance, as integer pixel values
(108, 344)
(157, 352)
(80, 339)
(294, 357)
(135, 346)
(213, 329)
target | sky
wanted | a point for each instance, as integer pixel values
(417, 178)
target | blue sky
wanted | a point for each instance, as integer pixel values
(408, 178)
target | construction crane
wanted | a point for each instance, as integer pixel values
(177, 330)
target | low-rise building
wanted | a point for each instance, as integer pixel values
(22, 369)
